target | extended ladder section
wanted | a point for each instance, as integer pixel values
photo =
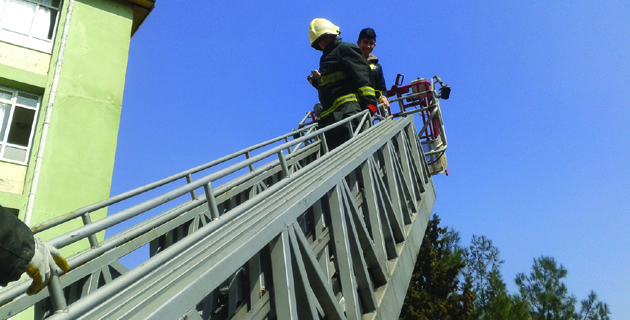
(292, 231)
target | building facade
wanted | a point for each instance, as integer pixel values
(62, 74)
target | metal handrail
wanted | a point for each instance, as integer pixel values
(111, 220)
(436, 112)
(190, 241)
(84, 212)
(126, 195)
(92, 228)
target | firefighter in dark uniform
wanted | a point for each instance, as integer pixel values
(344, 81)
(21, 252)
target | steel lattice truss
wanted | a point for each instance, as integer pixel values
(311, 235)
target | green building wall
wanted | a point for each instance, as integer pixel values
(81, 145)
(79, 154)
(78, 161)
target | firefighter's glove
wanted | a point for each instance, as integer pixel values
(314, 77)
(372, 108)
(46, 260)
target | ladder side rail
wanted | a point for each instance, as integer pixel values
(84, 305)
(140, 190)
(244, 187)
(13, 300)
(128, 235)
(185, 244)
(98, 226)
(217, 278)
(83, 232)
(126, 241)
(234, 192)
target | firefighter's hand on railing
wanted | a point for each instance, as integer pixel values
(384, 101)
(46, 259)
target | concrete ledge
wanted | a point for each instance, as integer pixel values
(22, 80)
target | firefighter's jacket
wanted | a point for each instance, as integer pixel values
(17, 247)
(345, 77)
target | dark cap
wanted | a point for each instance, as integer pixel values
(367, 33)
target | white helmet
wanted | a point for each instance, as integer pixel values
(319, 27)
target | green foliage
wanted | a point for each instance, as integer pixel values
(545, 292)
(593, 309)
(493, 302)
(503, 306)
(450, 282)
(549, 297)
(435, 291)
(483, 265)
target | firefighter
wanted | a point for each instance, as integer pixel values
(21, 252)
(344, 81)
(367, 43)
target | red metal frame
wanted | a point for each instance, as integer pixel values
(422, 101)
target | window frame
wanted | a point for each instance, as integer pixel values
(14, 104)
(29, 37)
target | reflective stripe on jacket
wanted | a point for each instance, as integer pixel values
(338, 102)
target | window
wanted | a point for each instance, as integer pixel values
(18, 111)
(29, 23)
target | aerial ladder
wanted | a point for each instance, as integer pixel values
(284, 229)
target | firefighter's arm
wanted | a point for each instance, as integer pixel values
(358, 70)
(16, 247)
(21, 252)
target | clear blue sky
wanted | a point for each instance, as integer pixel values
(538, 120)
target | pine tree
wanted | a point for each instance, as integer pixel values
(435, 292)
(504, 306)
(593, 309)
(450, 282)
(483, 264)
(545, 292)
(493, 302)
